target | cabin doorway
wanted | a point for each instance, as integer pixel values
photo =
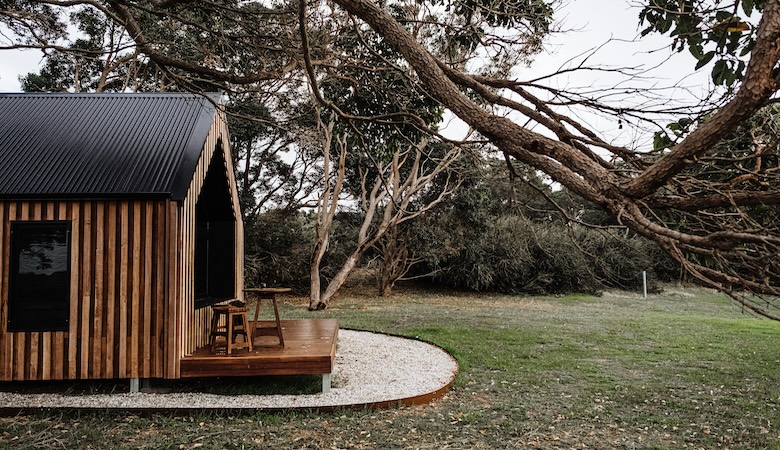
(215, 237)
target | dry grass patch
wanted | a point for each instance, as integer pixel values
(617, 371)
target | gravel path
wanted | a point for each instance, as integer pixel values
(370, 368)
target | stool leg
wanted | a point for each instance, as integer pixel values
(278, 323)
(229, 334)
(247, 331)
(257, 317)
(214, 330)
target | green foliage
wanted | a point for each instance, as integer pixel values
(679, 129)
(480, 240)
(391, 103)
(99, 57)
(710, 30)
(278, 249)
(32, 21)
(514, 255)
(262, 135)
(80, 66)
(751, 148)
(746, 161)
(473, 25)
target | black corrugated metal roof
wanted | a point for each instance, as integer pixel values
(101, 145)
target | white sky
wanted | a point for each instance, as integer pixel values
(16, 63)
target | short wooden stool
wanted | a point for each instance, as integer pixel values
(236, 324)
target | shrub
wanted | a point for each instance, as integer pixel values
(515, 255)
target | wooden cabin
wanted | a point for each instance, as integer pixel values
(119, 224)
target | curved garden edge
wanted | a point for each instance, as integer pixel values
(361, 360)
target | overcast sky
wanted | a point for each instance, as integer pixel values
(16, 63)
(613, 25)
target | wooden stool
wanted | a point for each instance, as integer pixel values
(259, 295)
(236, 323)
(275, 330)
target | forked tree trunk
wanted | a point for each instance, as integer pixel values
(386, 283)
(395, 193)
(338, 280)
(314, 273)
(395, 261)
(326, 210)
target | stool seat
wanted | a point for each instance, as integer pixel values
(236, 324)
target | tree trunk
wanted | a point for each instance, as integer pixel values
(395, 261)
(339, 280)
(326, 211)
(314, 273)
(386, 283)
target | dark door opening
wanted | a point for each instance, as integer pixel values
(214, 237)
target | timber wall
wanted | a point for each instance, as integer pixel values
(122, 260)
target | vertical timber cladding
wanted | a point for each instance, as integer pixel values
(196, 322)
(120, 258)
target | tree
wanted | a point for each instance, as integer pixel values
(743, 256)
(327, 203)
(384, 164)
(516, 235)
(101, 59)
(464, 51)
(387, 201)
(275, 168)
(390, 187)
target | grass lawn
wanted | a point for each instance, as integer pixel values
(682, 369)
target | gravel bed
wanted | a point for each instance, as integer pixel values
(370, 368)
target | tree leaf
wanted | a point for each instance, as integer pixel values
(696, 50)
(660, 141)
(747, 7)
(707, 57)
(718, 72)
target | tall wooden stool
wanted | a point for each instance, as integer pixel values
(236, 324)
(260, 294)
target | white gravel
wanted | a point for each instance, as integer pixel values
(370, 368)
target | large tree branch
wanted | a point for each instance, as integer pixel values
(535, 149)
(759, 85)
(127, 19)
(722, 200)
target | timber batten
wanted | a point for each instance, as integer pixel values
(131, 303)
(87, 348)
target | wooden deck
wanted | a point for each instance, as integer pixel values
(310, 349)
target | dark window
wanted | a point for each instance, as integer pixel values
(39, 281)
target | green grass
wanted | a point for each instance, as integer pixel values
(684, 368)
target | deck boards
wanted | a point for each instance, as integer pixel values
(310, 348)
